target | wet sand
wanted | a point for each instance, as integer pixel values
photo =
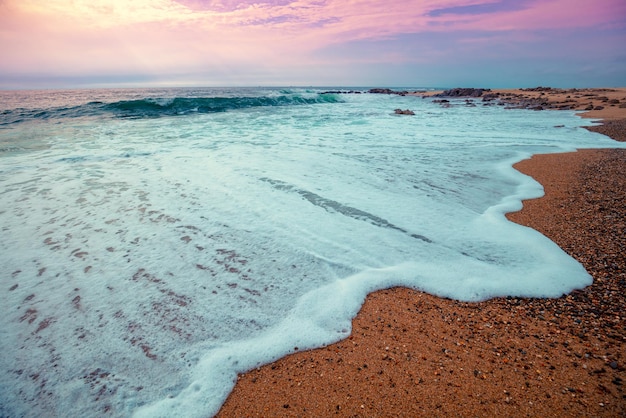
(412, 354)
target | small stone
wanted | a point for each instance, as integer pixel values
(404, 112)
(613, 365)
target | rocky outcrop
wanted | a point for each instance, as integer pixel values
(535, 98)
(388, 91)
(341, 92)
(540, 88)
(462, 92)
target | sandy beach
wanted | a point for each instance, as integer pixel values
(412, 354)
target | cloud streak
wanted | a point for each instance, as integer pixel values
(246, 38)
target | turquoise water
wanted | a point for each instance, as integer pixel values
(157, 242)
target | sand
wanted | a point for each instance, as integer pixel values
(411, 354)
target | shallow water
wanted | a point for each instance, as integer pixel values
(157, 242)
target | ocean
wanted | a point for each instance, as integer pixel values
(156, 242)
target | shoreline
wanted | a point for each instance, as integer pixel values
(607, 104)
(413, 354)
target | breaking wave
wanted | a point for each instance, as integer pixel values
(160, 107)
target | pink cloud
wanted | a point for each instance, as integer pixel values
(167, 36)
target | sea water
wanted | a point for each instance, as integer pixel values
(154, 243)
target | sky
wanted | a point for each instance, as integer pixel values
(391, 43)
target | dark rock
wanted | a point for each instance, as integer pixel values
(462, 92)
(388, 91)
(380, 91)
(538, 89)
(404, 112)
(490, 96)
(341, 92)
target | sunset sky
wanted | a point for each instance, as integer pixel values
(430, 43)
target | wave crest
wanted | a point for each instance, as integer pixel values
(159, 107)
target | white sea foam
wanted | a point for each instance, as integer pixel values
(146, 262)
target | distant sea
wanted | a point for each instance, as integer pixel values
(156, 242)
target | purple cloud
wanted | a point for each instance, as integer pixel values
(484, 8)
(229, 5)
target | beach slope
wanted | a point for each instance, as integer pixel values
(413, 354)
